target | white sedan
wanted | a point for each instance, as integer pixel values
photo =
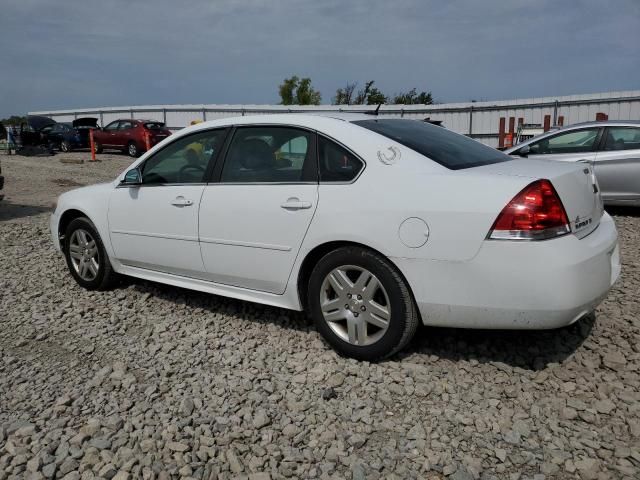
(371, 225)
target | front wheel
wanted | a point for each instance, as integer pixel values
(86, 256)
(132, 149)
(361, 304)
(97, 148)
(65, 146)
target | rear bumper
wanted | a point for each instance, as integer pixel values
(518, 285)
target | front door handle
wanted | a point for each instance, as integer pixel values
(181, 202)
(295, 204)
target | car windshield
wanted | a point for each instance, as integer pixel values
(154, 125)
(449, 149)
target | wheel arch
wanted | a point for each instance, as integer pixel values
(319, 251)
(66, 218)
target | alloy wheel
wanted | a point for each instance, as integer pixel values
(83, 251)
(355, 305)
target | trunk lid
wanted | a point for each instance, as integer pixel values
(85, 122)
(575, 183)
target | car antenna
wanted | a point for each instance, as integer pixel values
(374, 112)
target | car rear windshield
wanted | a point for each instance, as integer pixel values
(154, 125)
(449, 149)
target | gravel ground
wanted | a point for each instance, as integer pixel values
(150, 381)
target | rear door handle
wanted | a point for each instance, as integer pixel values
(181, 202)
(295, 204)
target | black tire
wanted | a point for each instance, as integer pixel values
(404, 313)
(106, 277)
(65, 146)
(97, 147)
(132, 149)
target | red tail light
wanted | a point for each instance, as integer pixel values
(536, 213)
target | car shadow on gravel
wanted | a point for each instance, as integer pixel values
(623, 211)
(526, 349)
(218, 304)
(12, 211)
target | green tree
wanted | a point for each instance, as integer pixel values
(413, 98)
(370, 95)
(287, 90)
(296, 91)
(13, 120)
(344, 96)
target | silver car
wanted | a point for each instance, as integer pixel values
(612, 147)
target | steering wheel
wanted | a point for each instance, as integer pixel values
(194, 171)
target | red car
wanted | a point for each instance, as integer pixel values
(129, 135)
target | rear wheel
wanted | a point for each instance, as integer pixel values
(86, 256)
(361, 304)
(97, 147)
(132, 149)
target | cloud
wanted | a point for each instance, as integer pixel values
(81, 54)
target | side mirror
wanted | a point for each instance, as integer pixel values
(524, 151)
(132, 178)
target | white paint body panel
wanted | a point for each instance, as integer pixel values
(253, 250)
(146, 229)
(248, 239)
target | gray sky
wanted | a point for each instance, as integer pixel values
(72, 54)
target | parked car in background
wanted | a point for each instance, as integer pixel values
(67, 136)
(33, 134)
(371, 225)
(611, 148)
(129, 135)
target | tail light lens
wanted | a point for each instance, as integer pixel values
(536, 213)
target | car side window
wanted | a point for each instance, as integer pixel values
(270, 155)
(622, 138)
(112, 125)
(184, 160)
(337, 164)
(124, 125)
(576, 141)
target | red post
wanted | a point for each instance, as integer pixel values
(512, 124)
(600, 117)
(501, 133)
(520, 121)
(147, 141)
(547, 123)
(92, 145)
(561, 120)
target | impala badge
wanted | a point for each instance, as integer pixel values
(582, 223)
(389, 159)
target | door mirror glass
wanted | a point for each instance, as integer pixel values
(132, 177)
(524, 151)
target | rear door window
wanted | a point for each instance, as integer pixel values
(270, 155)
(449, 149)
(622, 138)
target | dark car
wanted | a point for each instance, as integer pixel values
(67, 136)
(129, 135)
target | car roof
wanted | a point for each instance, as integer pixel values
(602, 123)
